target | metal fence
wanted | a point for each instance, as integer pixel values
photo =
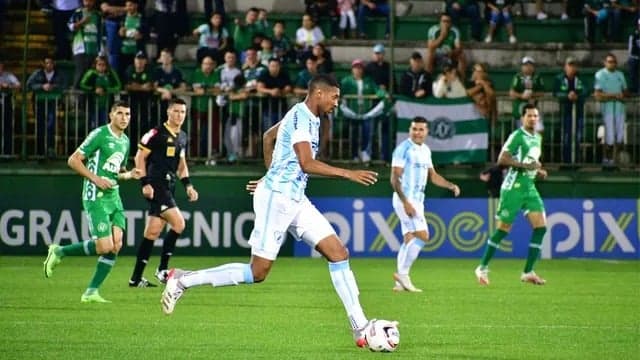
(224, 127)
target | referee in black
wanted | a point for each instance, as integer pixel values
(162, 157)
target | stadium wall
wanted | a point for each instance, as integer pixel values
(585, 219)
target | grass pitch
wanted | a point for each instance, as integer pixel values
(587, 310)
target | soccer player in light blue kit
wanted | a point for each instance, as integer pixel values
(411, 167)
(280, 205)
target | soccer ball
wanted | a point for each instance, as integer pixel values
(383, 336)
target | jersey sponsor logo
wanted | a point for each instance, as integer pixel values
(146, 137)
(171, 151)
(442, 128)
(114, 162)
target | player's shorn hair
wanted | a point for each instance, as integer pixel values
(419, 120)
(176, 101)
(119, 103)
(527, 107)
(322, 80)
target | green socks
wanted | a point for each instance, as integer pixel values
(82, 248)
(492, 246)
(105, 263)
(534, 248)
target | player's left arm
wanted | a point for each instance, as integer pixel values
(269, 143)
(183, 174)
(440, 181)
(541, 174)
(128, 175)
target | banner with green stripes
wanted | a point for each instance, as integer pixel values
(457, 131)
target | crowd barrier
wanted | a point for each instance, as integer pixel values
(220, 127)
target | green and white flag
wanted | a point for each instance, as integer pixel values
(457, 131)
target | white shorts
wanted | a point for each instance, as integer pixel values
(410, 224)
(276, 214)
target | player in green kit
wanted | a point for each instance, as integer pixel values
(105, 150)
(521, 154)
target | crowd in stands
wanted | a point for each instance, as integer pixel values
(233, 66)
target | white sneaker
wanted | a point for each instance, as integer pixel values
(564, 16)
(533, 278)
(365, 157)
(488, 39)
(162, 275)
(397, 287)
(482, 274)
(405, 282)
(173, 291)
(512, 39)
(541, 16)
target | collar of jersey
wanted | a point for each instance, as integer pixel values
(306, 109)
(527, 133)
(169, 130)
(112, 133)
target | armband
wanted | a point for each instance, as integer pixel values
(185, 181)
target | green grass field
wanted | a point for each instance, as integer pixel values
(587, 310)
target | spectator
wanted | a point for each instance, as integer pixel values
(448, 85)
(571, 94)
(266, 51)
(621, 12)
(263, 24)
(324, 8)
(281, 43)
(469, 9)
(540, 14)
(610, 90)
(302, 80)
(170, 21)
(8, 84)
(370, 8)
(526, 88)
(493, 177)
(62, 11)
(244, 32)
(633, 63)
(167, 81)
(444, 45)
(139, 86)
(596, 15)
(86, 25)
(345, 8)
(47, 85)
(325, 62)
(276, 85)
(113, 12)
(219, 8)
(252, 70)
(213, 39)
(379, 69)
(203, 113)
(480, 89)
(230, 83)
(307, 36)
(132, 32)
(360, 109)
(500, 13)
(415, 82)
(100, 83)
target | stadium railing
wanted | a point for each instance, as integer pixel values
(219, 121)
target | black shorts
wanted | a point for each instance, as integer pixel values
(162, 198)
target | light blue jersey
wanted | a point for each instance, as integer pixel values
(415, 160)
(285, 174)
(611, 82)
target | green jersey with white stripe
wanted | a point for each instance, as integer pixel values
(525, 148)
(106, 154)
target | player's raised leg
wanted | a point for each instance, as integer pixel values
(538, 223)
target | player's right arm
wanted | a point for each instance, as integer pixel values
(312, 166)
(76, 162)
(396, 175)
(144, 150)
(506, 159)
(268, 143)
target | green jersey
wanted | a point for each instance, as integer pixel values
(519, 84)
(107, 153)
(201, 80)
(449, 43)
(525, 148)
(86, 38)
(132, 23)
